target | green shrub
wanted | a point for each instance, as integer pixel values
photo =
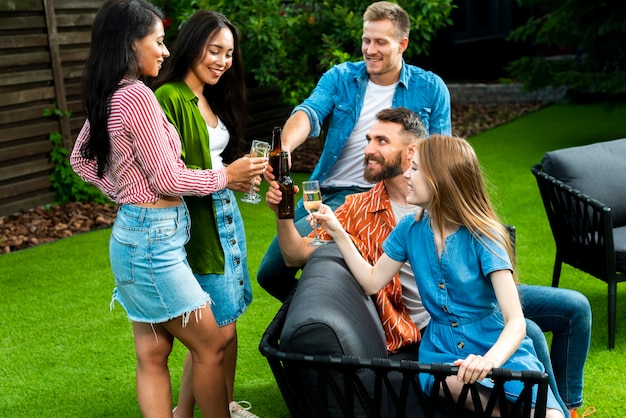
(289, 44)
(587, 40)
(66, 184)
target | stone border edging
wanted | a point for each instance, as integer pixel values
(484, 93)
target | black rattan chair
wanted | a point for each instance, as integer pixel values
(311, 383)
(584, 194)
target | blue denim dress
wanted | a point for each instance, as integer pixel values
(456, 291)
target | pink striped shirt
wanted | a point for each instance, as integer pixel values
(145, 162)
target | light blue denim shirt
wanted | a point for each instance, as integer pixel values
(340, 93)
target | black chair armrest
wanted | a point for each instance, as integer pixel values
(308, 381)
(329, 313)
(582, 226)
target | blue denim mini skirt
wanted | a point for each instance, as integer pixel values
(153, 281)
(231, 292)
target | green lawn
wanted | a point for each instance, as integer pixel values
(63, 353)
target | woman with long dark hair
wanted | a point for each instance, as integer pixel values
(128, 148)
(202, 92)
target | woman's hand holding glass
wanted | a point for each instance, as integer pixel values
(259, 149)
(326, 218)
(241, 171)
(312, 198)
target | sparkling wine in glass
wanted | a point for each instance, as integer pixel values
(312, 202)
(258, 149)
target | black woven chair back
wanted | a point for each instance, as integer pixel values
(583, 232)
(340, 386)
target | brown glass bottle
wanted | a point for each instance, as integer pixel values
(276, 150)
(286, 207)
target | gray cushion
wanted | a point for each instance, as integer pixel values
(597, 170)
(330, 314)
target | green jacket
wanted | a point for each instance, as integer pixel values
(180, 104)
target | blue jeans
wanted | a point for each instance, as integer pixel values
(567, 315)
(274, 276)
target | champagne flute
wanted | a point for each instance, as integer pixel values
(312, 202)
(258, 149)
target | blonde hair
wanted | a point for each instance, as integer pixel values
(386, 10)
(460, 197)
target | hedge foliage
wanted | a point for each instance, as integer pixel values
(579, 43)
(289, 44)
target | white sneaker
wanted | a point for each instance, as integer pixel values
(240, 410)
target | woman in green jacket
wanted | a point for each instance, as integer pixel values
(202, 92)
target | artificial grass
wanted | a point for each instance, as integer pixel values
(63, 353)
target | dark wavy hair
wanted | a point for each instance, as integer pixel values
(227, 97)
(116, 28)
(412, 126)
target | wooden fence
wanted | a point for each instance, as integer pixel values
(43, 48)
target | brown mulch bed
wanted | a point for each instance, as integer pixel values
(49, 223)
(45, 224)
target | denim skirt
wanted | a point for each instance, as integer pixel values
(153, 281)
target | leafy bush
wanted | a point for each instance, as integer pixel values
(289, 44)
(587, 41)
(66, 184)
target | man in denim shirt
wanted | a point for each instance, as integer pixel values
(351, 94)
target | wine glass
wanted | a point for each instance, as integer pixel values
(258, 149)
(312, 202)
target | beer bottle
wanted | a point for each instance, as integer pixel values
(286, 207)
(275, 152)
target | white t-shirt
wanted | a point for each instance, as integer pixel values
(349, 168)
(410, 294)
(218, 138)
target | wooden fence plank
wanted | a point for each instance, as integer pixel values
(73, 71)
(20, 6)
(29, 131)
(25, 150)
(22, 41)
(73, 87)
(22, 22)
(25, 186)
(25, 77)
(78, 4)
(17, 115)
(75, 105)
(29, 201)
(74, 54)
(75, 37)
(26, 58)
(22, 169)
(27, 95)
(72, 20)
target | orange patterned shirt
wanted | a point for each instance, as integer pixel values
(368, 218)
